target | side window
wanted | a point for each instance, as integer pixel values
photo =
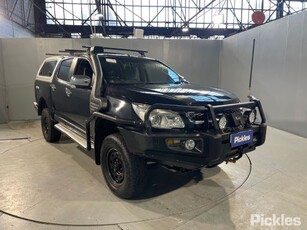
(84, 68)
(47, 68)
(64, 70)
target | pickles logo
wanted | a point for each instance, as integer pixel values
(239, 139)
(274, 220)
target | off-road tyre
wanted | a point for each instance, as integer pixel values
(51, 134)
(124, 172)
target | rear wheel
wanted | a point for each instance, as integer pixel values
(51, 134)
(124, 172)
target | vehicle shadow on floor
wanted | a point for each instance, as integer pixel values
(192, 197)
(160, 180)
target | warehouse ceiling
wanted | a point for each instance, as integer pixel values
(157, 19)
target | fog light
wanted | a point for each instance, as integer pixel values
(252, 116)
(222, 122)
(189, 144)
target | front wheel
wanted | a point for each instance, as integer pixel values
(124, 172)
(51, 134)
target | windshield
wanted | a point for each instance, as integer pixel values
(132, 70)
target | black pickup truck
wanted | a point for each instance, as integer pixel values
(133, 111)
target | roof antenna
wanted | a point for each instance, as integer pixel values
(251, 72)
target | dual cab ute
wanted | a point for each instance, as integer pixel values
(133, 111)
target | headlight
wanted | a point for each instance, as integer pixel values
(159, 118)
(165, 119)
(140, 110)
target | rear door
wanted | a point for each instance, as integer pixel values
(59, 88)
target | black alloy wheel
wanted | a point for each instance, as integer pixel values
(115, 166)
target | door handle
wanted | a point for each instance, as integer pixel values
(68, 92)
(53, 87)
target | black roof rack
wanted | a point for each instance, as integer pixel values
(69, 52)
(73, 51)
(53, 54)
(96, 50)
(101, 49)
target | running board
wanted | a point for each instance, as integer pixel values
(73, 134)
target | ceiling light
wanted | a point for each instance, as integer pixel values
(185, 29)
(98, 16)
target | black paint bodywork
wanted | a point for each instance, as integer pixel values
(87, 108)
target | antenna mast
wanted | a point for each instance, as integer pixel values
(251, 71)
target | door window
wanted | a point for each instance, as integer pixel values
(47, 68)
(65, 70)
(84, 68)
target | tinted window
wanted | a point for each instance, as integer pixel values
(83, 68)
(131, 70)
(47, 68)
(64, 70)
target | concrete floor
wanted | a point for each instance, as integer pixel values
(60, 185)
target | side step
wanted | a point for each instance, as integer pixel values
(73, 134)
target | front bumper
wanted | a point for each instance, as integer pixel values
(216, 148)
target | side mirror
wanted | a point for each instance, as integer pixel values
(80, 81)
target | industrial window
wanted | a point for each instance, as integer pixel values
(164, 15)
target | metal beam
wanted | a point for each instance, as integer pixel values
(191, 18)
(29, 13)
(126, 31)
(234, 14)
(37, 5)
(280, 8)
(130, 11)
(149, 23)
(116, 14)
(176, 16)
(13, 8)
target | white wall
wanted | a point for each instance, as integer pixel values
(3, 110)
(198, 61)
(280, 67)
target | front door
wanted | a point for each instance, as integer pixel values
(79, 98)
